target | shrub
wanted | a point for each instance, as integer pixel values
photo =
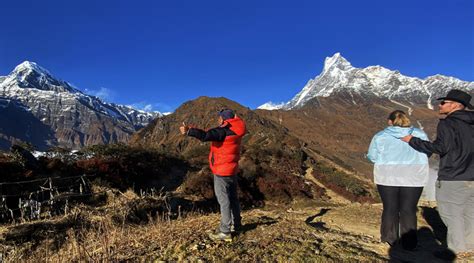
(344, 184)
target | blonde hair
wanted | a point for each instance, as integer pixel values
(399, 118)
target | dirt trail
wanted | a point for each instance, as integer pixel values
(317, 156)
(336, 198)
(364, 220)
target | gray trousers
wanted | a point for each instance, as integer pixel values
(456, 207)
(225, 188)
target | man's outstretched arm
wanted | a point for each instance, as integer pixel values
(216, 134)
(439, 146)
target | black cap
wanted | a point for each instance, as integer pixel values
(459, 96)
(226, 114)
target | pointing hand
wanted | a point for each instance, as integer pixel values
(184, 129)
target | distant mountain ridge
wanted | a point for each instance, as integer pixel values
(339, 75)
(73, 117)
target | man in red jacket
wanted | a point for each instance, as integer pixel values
(223, 161)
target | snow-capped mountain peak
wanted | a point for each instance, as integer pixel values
(339, 75)
(30, 66)
(336, 61)
(75, 118)
(30, 75)
(271, 106)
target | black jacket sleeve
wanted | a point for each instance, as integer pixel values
(439, 146)
(216, 134)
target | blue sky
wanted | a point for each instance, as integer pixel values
(159, 54)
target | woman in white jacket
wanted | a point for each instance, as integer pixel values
(400, 173)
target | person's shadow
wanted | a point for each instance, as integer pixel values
(431, 242)
(317, 225)
(261, 221)
(432, 217)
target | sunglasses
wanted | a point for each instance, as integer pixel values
(445, 102)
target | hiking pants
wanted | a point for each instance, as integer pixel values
(456, 208)
(225, 188)
(399, 214)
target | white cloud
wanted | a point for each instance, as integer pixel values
(142, 106)
(103, 93)
(146, 106)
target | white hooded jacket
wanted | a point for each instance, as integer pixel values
(396, 163)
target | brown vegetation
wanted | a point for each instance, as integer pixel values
(345, 185)
(341, 126)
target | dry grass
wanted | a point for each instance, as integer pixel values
(105, 234)
(127, 227)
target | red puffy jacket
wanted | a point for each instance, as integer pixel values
(224, 156)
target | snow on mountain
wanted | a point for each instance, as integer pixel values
(339, 75)
(271, 106)
(30, 75)
(30, 82)
(79, 118)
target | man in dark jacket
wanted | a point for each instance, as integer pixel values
(223, 160)
(455, 186)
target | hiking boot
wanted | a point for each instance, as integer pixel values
(219, 236)
(445, 254)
